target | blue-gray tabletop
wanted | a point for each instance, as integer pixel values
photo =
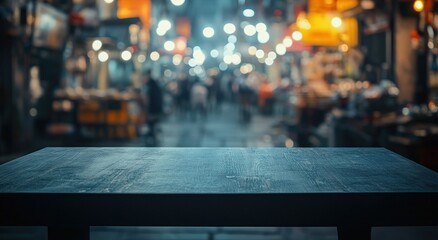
(217, 187)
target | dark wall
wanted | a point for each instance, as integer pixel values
(6, 41)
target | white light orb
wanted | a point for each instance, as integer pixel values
(196, 48)
(263, 37)
(280, 49)
(336, 22)
(236, 59)
(223, 66)
(177, 59)
(261, 27)
(103, 56)
(177, 2)
(297, 36)
(141, 58)
(228, 59)
(96, 45)
(198, 70)
(192, 63)
(155, 56)
(232, 39)
(169, 46)
(229, 28)
(208, 32)
(249, 30)
(165, 25)
(192, 72)
(126, 55)
(230, 47)
(272, 55)
(199, 57)
(269, 61)
(161, 32)
(252, 50)
(248, 13)
(287, 42)
(214, 53)
(260, 53)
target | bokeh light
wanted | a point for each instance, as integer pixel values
(126, 55)
(96, 45)
(263, 37)
(177, 59)
(223, 66)
(169, 46)
(336, 22)
(248, 13)
(232, 39)
(252, 50)
(141, 58)
(297, 36)
(280, 49)
(249, 30)
(261, 27)
(214, 53)
(272, 55)
(208, 32)
(260, 53)
(229, 28)
(103, 56)
(269, 61)
(155, 56)
(177, 2)
(287, 42)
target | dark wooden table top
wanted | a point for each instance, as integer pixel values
(217, 186)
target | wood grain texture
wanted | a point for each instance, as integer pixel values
(215, 170)
(217, 187)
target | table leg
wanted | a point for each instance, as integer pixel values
(354, 233)
(68, 232)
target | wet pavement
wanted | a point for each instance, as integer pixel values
(219, 129)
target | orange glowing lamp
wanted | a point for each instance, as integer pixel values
(418, 5)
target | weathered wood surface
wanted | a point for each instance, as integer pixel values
(215, 170)
(217, 186)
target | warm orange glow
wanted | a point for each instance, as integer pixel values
(303, 22)
(134, 8)
(343, 5)
(327, 30)
(432, 106)
(331, 5)
(322, 6)
(343, 48)
(418, 5)
(183, 27)
(180, 45)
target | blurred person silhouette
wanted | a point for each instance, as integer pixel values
(154, 106)
(217, 94)
(213, 86)
(233, 87)
(246, 94)
(296, 73)
(199, 95)
(183, 97)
